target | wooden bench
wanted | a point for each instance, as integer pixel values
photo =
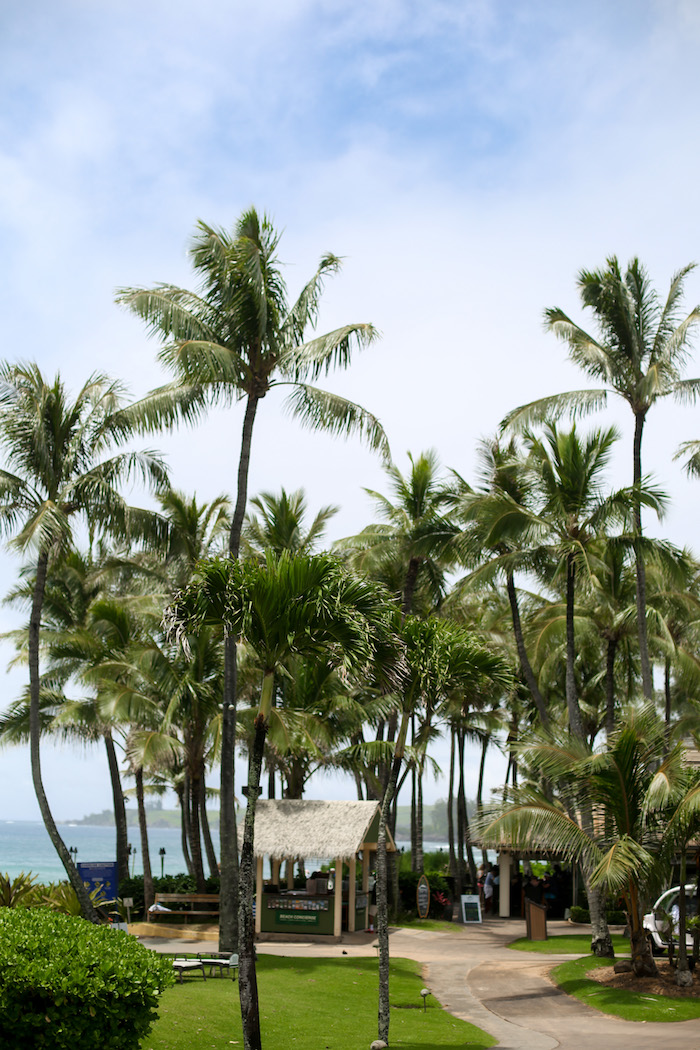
(186, 905)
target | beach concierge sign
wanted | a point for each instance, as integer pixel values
(423, 897)
(100, 875)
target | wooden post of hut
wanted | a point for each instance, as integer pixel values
(338, 895)
(352, 866)
(504, 862)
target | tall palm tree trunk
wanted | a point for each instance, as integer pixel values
(120, 824)
(641, 576)
(452, 864)
(463, 812)
(247, 977)
(228, 838)
(610, 653)
(419, 818)
(196, 831)
(184, 827)
(383, 1012)
(525, 664)
(480, 787)
(148, 896)
(206, 831)
(572, 705)
(59, 845)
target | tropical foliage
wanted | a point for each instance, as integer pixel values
(525, 610)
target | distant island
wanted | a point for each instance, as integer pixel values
(434, 820)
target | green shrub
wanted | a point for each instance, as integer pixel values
(68, 985)
(18, 892)
(614, 917)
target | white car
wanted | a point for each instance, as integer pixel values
(668, 904)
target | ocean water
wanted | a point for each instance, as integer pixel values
(26, 847)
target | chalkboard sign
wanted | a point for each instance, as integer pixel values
(471, 907)
(423, 897)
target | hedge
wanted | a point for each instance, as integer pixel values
(614, 917)
(68, 985)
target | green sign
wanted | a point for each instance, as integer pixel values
(297, 918)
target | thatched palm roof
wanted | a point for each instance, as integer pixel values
(307, 828)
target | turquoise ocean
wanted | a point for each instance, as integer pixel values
(26, 847)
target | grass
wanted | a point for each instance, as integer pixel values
(435, 925)
(319, 1003)
(568, 944)
(628, 1005)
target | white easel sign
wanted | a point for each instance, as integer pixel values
(471, 907)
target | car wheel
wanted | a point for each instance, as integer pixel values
(655, 948)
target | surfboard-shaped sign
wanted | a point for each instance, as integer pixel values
(423, 897)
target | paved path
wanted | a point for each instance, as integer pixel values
(477, 978)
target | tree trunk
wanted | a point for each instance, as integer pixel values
(450, 808)
(86, 905)
(572, 705)
(525, 665)
(641, 576)
(414, 865)
(206, 831)
(684, 977)
(419, 819)
(148, 897)
(462, 807)
(409, 586)
(121, 828)
(480, 787)
(610, 651)
(667, 704)
(184, 824)
(383, 1013)
(601, 941)
(228, 835)
(196, 832)
(247, 977)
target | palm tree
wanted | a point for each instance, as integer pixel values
(291, 606)
(498, 538)
(238, 338)
(570, 501)
(53, 448)
(279, 525)
(639, 357)
(409, 549)
(76, 582)
(441, 659)
(645, 804)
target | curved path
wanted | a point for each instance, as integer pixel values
(476, 977)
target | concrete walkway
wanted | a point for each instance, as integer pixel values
(476, 977)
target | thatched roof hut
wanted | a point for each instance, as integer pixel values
(287, 829)
(307, 828)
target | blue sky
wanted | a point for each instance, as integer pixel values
(466, 158)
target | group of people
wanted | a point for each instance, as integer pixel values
(553, 890)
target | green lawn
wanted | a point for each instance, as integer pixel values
(434, 925)
(630, 1006)
(569, 944)
(318, 1003)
